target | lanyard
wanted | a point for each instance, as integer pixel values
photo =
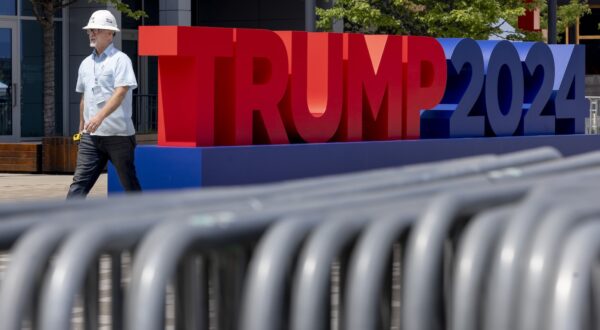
(101, 70)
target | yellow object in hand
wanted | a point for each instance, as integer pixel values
(76, 137)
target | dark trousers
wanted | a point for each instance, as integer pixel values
(94, 152)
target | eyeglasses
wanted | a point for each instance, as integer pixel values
(94, 31)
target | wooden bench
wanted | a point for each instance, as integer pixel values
(21, 157)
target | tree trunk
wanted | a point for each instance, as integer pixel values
(49, 100)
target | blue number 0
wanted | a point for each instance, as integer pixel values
(503, 92)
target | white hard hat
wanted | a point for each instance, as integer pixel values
(102, 19)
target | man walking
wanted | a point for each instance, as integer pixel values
(106, 80)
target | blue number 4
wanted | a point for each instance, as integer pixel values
(571, 106)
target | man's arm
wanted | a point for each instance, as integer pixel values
(111, 105)
(81, 107)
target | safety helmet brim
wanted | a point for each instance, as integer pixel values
(100, 27)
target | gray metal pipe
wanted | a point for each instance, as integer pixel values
(422, 283)
(502, 275)
(28, 261)
(570, 306)
(15, 223)
(192, 293)
(309, 15)
(310, 294)
(265, 282)
(45, 206)
(536, 283)
(161, 250)
(454, 169)
(161, 259)
(367, 268)
(472, 259)
(165, 244)
(248, 195)
(565, 165)
(502, 287)
(222, 194)
(32, 253)
(445, 172)
(67, 275)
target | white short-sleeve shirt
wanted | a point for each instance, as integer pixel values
(97, 79)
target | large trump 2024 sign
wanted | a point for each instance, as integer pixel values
(221, 86)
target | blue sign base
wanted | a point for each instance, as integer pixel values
(180, 167)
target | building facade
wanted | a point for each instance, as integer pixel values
(587, 32)
(21, 52)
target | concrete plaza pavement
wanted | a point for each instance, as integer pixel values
(15, 187)
(22, 187)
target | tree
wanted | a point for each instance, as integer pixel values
(477, 19)
(44, 11)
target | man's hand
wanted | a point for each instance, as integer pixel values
(92, 125)
(111, 105)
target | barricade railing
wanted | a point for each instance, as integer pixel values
(5, 117)
(486, 242)
(145, 113)
(592, 122)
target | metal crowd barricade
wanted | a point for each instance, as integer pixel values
(487, 242)
(535, 284)
(326, 245)
(474, 253)
(145, 113)
(570, 305)
(150, 318)
(39, 244)
(425, 249)
(507, 263)
(106, 226)
(592, 123)
(6, 116)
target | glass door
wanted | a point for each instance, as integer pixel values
(9, 81)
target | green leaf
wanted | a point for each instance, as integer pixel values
(476, 19)
(123, 8)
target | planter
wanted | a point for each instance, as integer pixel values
(59, 155)
(21, 157)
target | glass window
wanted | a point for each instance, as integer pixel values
(6, 61)
(592, 51)
(153, 75)
(5, 44)
(8, 7)
(151, 9)
(129, 47)
(126, 21)
(588, 24)
(32, 75)
(58, 67)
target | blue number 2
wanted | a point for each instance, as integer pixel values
(456, 115)
(538, 75)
